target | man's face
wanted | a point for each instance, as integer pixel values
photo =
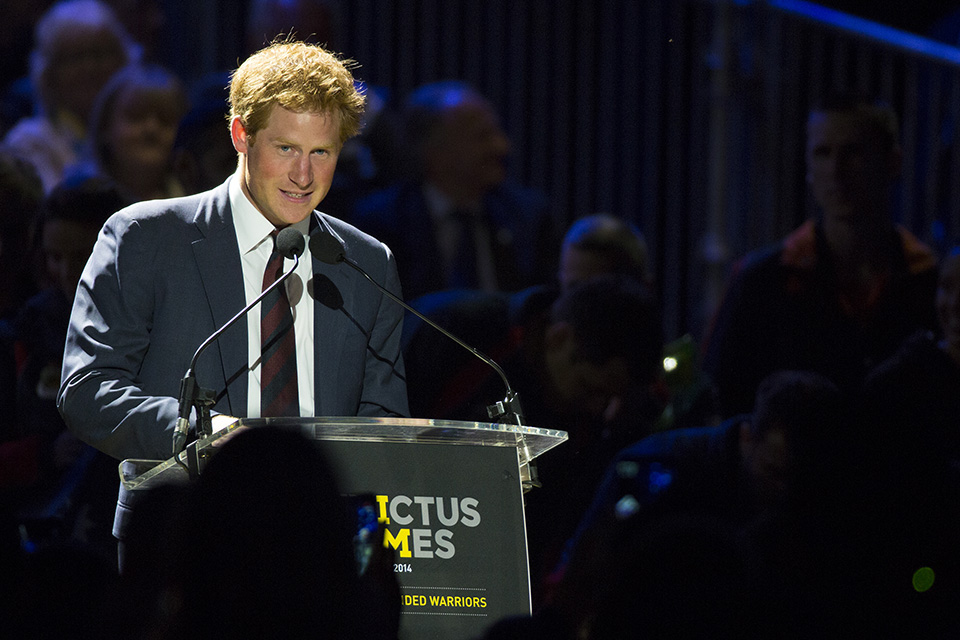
(287, 167)
(848, 169)
(143, 129)
(85, 59)
(948, 304)
(470, 147)
(583, 388)
(578, 265)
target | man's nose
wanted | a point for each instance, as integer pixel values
(302, 172)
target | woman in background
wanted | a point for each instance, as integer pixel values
(133, 129)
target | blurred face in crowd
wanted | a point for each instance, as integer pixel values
(582, 387)
(85, 59)
(849, 169)
(469, 149)
(286, 168)
(766, 465)
(143, 129)
(578, 265)
(66, 246)
(948, 304)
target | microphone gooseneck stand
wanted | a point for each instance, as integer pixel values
(327, 248)
(290, 244)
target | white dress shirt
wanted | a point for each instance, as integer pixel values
(253, 238)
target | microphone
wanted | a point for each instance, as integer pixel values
(290, 244)
(327, 248)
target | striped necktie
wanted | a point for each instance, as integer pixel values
(278, 359)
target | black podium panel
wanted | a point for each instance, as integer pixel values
(454, 518)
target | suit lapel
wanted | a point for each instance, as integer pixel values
(218, 261)
(328, 328)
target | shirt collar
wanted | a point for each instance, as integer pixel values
(251, 225)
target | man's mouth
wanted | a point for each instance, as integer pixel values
(295, 196)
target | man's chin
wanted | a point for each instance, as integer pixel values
(292, 214)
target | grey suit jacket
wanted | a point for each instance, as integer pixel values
(166, 274)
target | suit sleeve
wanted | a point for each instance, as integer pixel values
(101, 397)
(384, 381)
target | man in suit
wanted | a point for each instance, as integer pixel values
(165, 274)
(458, 222)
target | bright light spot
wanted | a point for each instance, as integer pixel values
(669, 364)
(923, 579)
(626, 507)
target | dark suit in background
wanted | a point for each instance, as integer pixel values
(523, 246)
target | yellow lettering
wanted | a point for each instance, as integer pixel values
(383, 517)
(400, 541)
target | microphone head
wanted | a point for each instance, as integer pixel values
(290, 242)
(325, 247)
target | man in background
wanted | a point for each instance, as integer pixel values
(840, 293)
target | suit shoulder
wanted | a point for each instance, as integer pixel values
(147, 211)
(358, 243)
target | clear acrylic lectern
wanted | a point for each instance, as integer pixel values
(450, 497)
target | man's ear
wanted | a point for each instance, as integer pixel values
(238, 134)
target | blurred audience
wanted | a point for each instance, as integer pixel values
(840, 293)
(370, 161)
(569, 357)
(21, 194)
(599, 244)
(458, 222)
(78, 46)
(145, 21)
(667, 517)
(202, 156)
(17, 20)
(132, 132)
(265, 550)
(916, 387)
(908, 515)
(72, 494)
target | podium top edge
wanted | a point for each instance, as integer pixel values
(529, 441)
(414, 423)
